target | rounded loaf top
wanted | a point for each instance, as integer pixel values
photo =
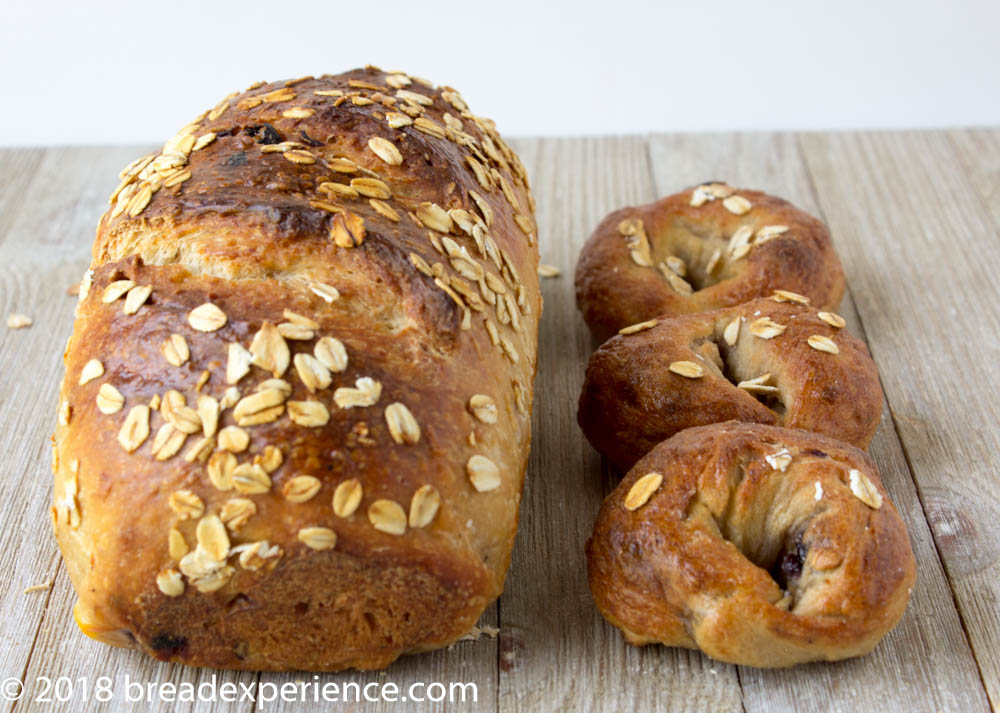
(299, 385)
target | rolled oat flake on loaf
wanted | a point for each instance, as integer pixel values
(311, 310)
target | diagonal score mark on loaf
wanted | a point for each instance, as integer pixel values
(248, 234)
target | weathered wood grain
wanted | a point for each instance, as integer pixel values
(472, 661)
(556, 652)
(45, 250)
(915, 217)
(17, 169)
(64, 208)
(920, 247)
(905, 671)
(979, 154)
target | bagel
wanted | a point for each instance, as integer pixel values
(759, 545)
(675, 372)
(703, 248)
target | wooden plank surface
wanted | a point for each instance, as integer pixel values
(466, 661)
(979, 154)
(45, 250)
(42, 253)
(17, 169)
(921, 249)
(892, 676)
(915, 217)
(556, 651)
(47, 206)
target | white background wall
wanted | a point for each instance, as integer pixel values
(115, 71)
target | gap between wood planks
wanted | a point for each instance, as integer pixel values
(978, 155)
(45, 248)
(15, 215)
(904, 449)
(567, 657)
(18, 167)
(664, 191)
(904, 200)
(651, 173)
(774, 161)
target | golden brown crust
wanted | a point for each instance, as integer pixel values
(632, 398)
(752, 564)
(622, 274)
(301, 586)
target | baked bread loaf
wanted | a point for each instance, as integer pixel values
(703, 248)
(759, 545)
(296, 412)
(773, 361)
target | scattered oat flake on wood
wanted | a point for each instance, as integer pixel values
(43, 587)
(548, 270)
(16, 320)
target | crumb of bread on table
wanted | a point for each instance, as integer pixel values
(44, 586)
(477, 632)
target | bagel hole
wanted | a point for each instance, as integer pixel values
(771, 401)
(695, 245)
(787, 568)
(779, 551)
(784, 560)
(773, 541)
(714, 351)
